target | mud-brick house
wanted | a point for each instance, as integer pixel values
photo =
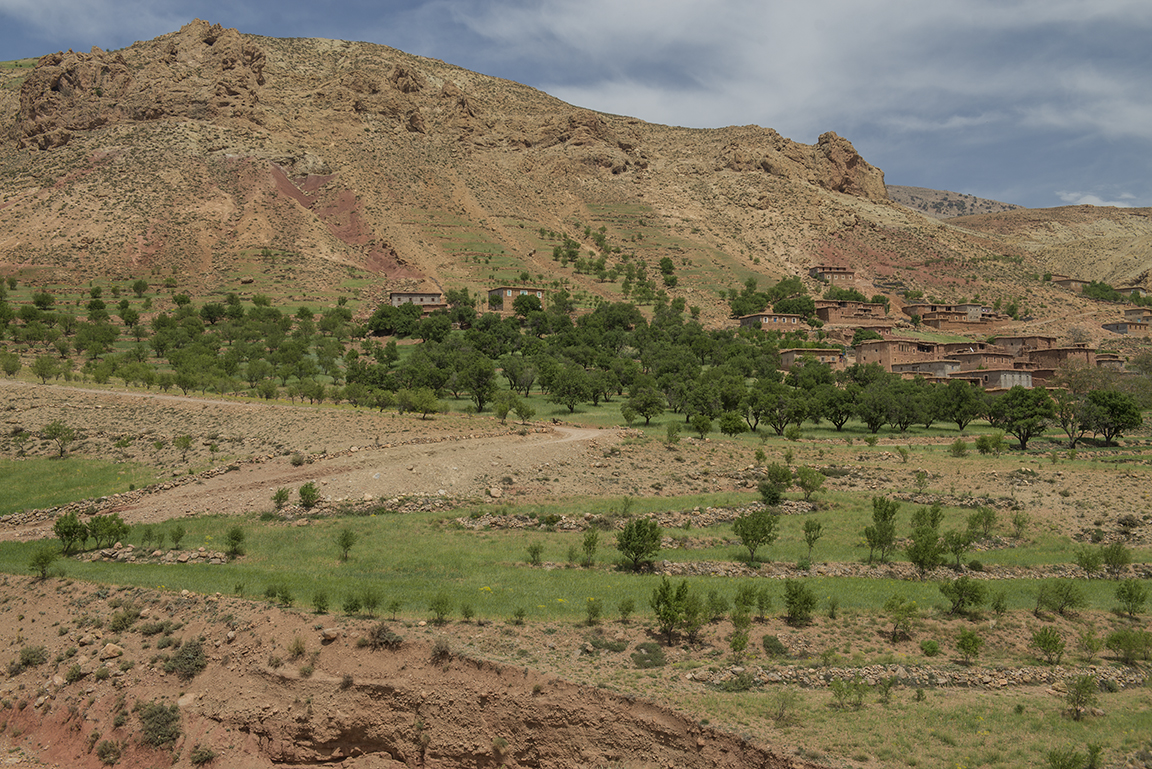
(983, 359)
(1072, 284)
(504, 296)
(791, 356)
(1138, 314)
(1019, 345)
(776, 321)
(1129, 327)
(939, 368)
(428, 300)
(1002, 379)
(1054, 357)
(889, 351)
(842, 311)
(1132, 290)
(833, 274)
(1110, 361)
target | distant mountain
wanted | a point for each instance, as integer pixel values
(941, 204)
(216, 162)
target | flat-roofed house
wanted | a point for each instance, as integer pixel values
(780, 321)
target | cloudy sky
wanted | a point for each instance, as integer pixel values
(1036, 102)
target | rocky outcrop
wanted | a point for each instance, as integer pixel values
(832, 163)
(203, 72)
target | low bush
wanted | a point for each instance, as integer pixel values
(188, 661)
(161, 723)
(649, 655)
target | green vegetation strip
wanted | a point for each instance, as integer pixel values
(36, 483)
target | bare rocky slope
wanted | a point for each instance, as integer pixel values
(942, 204)
(211, 156)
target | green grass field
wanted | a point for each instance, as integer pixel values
(34, 482)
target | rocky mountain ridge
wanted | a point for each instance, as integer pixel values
(207, 156)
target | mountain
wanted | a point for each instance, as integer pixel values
(217, 161)
(941, 204)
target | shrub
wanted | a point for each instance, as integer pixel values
(969, 645)
(773, 646)
(534, 552)
(161, 722)
(799, 602)
(235, 540)
(297, 648)
(1081, 695)
(320, 601)
(849, 692)
(108, 752)
(441, 650)
(188, 660)
(1130, 645)
(929, 648)
(441, 607)
(649, 655)
(1049, 643)
(1131, 596)
(309, 495)
(201, 755)
(626, 607)
(992, 444)
(959, 448)
(592, 611)
(382, 637)
(351, 604)
(280, 498)
(31, 656)
(74, 674)
(297, 459)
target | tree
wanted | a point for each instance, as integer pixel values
(881, 535)
(1131, 596)
(957, 543)
(799, 602)
(960, 403)
(1109, 413)
(107, 529)
(669, 604)
(647, 402)
(184, 443)
(925, 550)
(701, 424)
(902, 613)
(1022, 413)
(70, 530)
(810, 480)
(813, 530)
(41, 561)
(639, 541)
(755, 529)
(777, 478)
(346, 540)
(45, 367)
(61, 433)
(1115, 556)
(966, 594)
(571, 387)
(1082, 695)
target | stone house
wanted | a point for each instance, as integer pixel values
(781, 321)
(832, 358)
(833, 274)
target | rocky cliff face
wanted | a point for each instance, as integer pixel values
(203, 72)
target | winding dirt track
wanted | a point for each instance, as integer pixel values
(354, 454)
